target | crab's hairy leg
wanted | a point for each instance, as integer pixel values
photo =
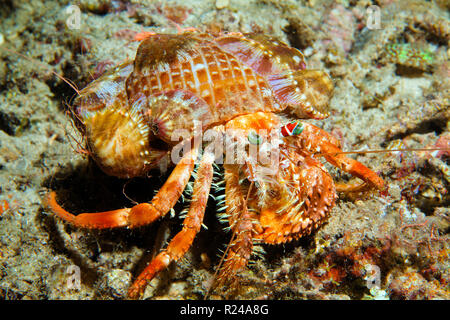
(182, 241)
(241, 246)
(141, 214)
(319, 141)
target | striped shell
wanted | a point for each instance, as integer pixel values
(176, 80)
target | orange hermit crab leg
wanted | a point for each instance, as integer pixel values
(317, 140)
(241, 246)
(191, 226)
(353, 167)
(141, 214)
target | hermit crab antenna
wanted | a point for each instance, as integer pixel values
(294, 128)
(385, 151)
(43, 65)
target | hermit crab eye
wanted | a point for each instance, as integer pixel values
(293, 128)
(254, 138)
(298, 128)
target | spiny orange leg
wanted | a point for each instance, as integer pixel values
(317, 140)
(191, 226)
(141, 214)
(240, 248)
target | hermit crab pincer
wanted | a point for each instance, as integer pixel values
(238, 95)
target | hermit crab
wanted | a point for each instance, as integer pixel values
(197, 100)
